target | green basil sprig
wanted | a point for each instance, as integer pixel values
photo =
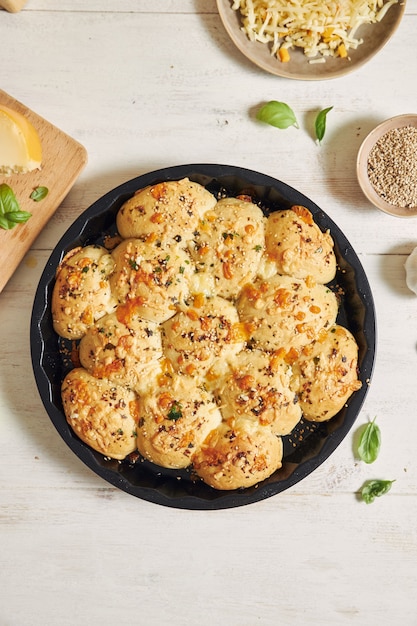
(370, 442)
(39, 193)
(320, 123)
(10, 212)
(277, 114)
(374, 489)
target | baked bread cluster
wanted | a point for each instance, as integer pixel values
(204, 334)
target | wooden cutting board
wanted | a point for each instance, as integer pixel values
(63, 159)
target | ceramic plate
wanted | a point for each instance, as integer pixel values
(307, 447)
(374, 36)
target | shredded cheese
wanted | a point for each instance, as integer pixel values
(320, 29)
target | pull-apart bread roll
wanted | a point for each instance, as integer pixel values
(174, 421)
(238, 455)
(154, 278)
(202, 333)
(102, 414)
(167, 212)
(325, 375)
(298, 247)
(229, 243)
(123, 348)
(258, 388)
(286, 312)
(204, 336)
(82, 292)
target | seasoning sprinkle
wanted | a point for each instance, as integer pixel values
(392, 167)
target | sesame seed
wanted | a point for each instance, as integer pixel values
(392, 167)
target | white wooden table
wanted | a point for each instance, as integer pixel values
(144, 85)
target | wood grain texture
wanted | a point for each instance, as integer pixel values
(149, 84)
(63, 158)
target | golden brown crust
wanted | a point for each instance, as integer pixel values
(229, 244)
(174, 421)
(123, 348)
(167, 212)
(82, 292)
(258, 389)
(202, 333)
(238, 455)
(286, 312)
(102, 414)
(298, 247)
(325, 375)
(155, 278)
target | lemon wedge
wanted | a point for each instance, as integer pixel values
(20, 146)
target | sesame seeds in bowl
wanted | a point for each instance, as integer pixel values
(387, 166)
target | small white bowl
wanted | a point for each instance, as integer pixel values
(362, 165)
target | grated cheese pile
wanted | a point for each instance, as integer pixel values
(321, 29)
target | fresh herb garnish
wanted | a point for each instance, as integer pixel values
(320, 123)
(370, 442)
(374, 489)
(10, 213)
(229, 236)
(277, 114)
(175, 412)
(39, 193)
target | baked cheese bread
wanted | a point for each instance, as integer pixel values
(204, 336)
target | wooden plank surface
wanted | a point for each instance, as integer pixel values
(155, 83)
(63, 159)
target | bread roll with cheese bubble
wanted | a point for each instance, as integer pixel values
(286, 312)
(174, 421)
(82, 292)
(229, 242)
(165, 212)
(102, 414)
(206, 331)
(123, 348)
(238, 455)
(325, 375)
(258, 388)
(155, 278)
(298, 247)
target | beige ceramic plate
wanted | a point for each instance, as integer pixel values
(375, 36)
(362, 164)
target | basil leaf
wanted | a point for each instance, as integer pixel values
(39, 193)
(320, 123)
(374, 489)
(277, 114)
(4, 223)
(8, 201)
(18, 217)
(370, 443)
(10, 213)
